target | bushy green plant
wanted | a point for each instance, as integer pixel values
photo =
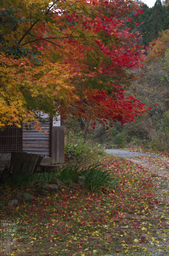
(38, 178)
(96, 178)
(42, 177)
(120, 139)
(70, 174)
(18, 180)
(75, 144)
(79, 151)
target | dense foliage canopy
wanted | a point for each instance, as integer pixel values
(67, 57)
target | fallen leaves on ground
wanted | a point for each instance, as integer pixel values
(131, 219)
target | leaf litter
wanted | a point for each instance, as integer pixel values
(131, 219)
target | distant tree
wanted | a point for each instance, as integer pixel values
(166, 17)
(150, 22)
(157, 20)
(158, 47)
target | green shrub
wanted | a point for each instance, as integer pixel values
(37, 178)
(20, 179)
(120, 139)
(69, 175)
(42, 177)
(96, 178)
(79, 151)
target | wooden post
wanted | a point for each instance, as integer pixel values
(57, 144)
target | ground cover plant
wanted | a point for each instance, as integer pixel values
(92, 177)
(76, 221)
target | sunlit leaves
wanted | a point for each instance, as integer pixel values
(44, 89)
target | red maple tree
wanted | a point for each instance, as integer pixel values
(90, 42)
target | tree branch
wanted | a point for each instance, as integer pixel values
(35, 23)
(56, 45)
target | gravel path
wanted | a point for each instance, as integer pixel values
(128, 154)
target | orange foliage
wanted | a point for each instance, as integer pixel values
(73, 56)
(159, 46)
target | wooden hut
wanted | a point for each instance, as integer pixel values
(49, 143)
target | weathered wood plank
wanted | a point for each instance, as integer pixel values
(37, 142)
(40, 150)
(23, 163)
(25, 144)
(36, 145)
(44, 153)
(57, 145)
(29, 135)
